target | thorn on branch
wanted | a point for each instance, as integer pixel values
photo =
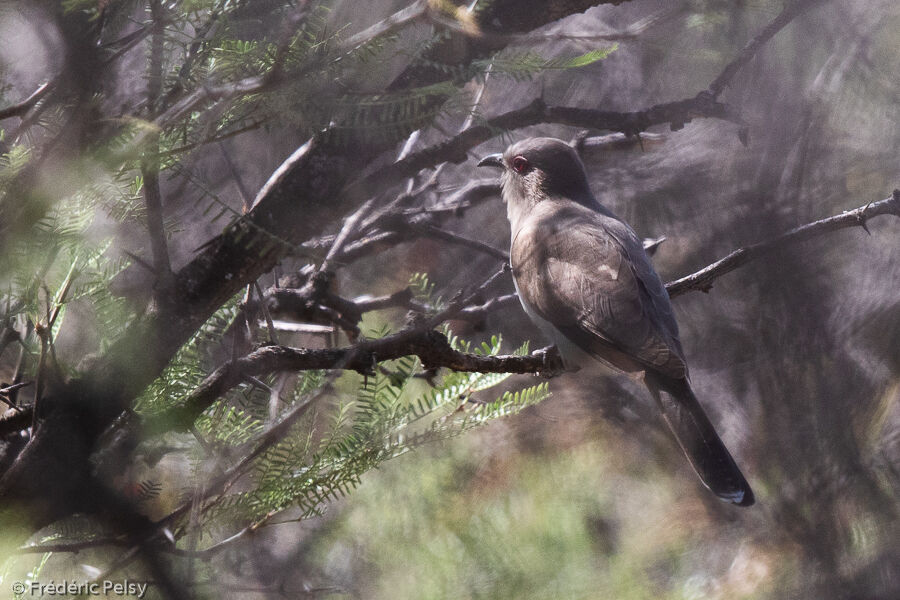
(702, 280)
(862, 218)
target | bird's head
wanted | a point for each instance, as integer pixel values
(539, 168)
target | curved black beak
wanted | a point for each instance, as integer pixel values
(491, 160)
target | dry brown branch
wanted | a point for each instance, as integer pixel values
(702, 279)
(430, 346)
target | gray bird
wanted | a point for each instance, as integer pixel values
(584, 278)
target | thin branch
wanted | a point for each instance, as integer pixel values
(209, 552)
(702, 279)
(212, 139)
(432, 232)
(389, 228)
(306, 304)
(462, 300)
(17, 110)
(616, 142)
(13, 387)
(246, 197)
(412, 13)
(479, 312)
(270, 325)
(401, 299)
(791, 10)
(349, 228)
(201, 34)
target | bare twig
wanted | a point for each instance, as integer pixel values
(702, 279)
(246, 196)
(209, 552)
(15, 386)
(412, 13)
(19, 109)
(212, 139)
(432, 232)
(389, 228)
(791, 10)
(402, 299)
(270, 325)
(349, 228)
(478, 312)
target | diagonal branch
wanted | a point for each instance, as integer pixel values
(20, 108)
(702, 279)
(791, 10)
(414, 12)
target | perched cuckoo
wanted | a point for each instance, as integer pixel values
(584, 278)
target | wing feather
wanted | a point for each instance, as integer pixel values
(596, 284)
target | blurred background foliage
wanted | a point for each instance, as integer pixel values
(796, 357)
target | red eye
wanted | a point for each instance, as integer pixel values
(520, 164)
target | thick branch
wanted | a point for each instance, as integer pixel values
(455, 150)
(702, 279)
(430, 346)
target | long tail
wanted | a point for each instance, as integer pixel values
(699, 440)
